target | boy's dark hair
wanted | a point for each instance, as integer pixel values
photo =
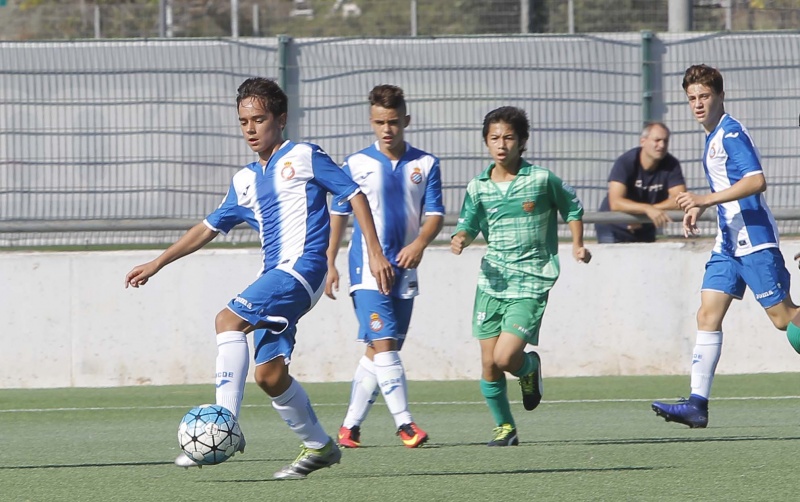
(704, 75)
(267, 91)
(388, 96)
(511, 115)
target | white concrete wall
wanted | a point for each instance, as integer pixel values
(70, 322)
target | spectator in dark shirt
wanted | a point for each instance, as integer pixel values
(644, 180)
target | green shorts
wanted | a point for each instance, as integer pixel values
(519, 316)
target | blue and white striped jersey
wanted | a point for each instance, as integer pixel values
(398, 193)
(286, 203)
(745, 225)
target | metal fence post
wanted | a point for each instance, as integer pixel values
(647, 76)
(288, 84)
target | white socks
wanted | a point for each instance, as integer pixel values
(233, 360)
(294, 407)
(363, 393)
(707, 350)
(392, 382)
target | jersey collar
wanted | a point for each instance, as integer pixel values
(524, 170)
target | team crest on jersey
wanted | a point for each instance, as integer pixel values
(528, 206)
(712, 152)
(287, 172)
(416, 176)
(375, 322)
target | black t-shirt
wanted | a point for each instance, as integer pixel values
(642, 186)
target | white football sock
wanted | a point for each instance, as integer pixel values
(294, 407)
(707, 350)
(363, 393)
(233, 361)
(392, 382)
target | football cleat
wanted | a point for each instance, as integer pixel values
(683, 412)
(310, 460)
(531, 384)
(350, 438)
(184, 461)
(504, 435)
(411, 435)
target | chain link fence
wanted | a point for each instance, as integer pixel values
(131, 135)
(56, 20)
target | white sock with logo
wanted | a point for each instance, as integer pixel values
(233, 360)
(392, 382)
(363, 393)
(707, 350)
(295, 409)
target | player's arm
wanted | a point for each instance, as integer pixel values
(569, 205)
(379, 266)
(460, 241)
(579, 252)
(194, 239)
(749, 185)
(338, 226)
(470, 220)
(411, 255)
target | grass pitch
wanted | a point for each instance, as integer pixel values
(591, 439)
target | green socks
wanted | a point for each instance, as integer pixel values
(528, 366)
(793, 334)
(497, 400)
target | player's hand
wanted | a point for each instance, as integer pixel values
(382, 271)
(332, 282)
(659, 217)
(458, 243)
(688, 200)
(797, 257)
(140, 274)
(410, 256)
(581, 254)
(690, 222)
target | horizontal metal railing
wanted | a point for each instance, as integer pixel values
(172, 224)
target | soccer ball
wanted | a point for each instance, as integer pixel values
(209, 434)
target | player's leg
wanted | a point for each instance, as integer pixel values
(232, 363)
(382, 318)
(233, 360)
(521, 323)
(363, 393)
(765, 274)
(721, 284)
(486, 320)
(274, 303)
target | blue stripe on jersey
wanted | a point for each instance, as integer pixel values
(397, 196)
(285, 201)
(745, 225)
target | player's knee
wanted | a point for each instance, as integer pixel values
(505, 362)
(708, 319)
(273, 377)
(793, 334)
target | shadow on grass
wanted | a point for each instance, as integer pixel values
(635, 441)
(127, 464)
(393, 474)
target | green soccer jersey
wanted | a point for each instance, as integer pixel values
(520, 228)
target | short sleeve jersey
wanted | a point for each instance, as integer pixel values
(649, 187)
(285, 201)
(520, 228)
(399, 193)
(745, 225)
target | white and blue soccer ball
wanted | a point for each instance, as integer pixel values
(209, 434)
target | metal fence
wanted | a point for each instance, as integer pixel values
(141, 134)
(54, 19)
